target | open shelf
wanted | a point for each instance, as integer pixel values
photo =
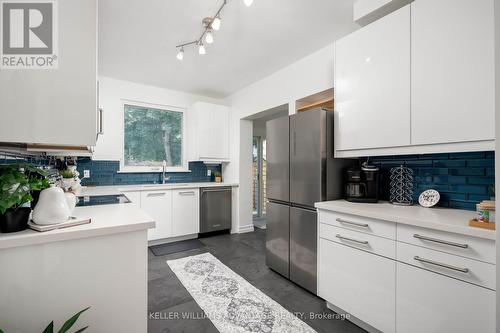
(322, 99)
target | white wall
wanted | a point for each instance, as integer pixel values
(305, 77)
(259, 128)
(112, 92)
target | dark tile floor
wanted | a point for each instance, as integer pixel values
(245, 255)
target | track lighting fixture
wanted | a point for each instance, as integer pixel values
(210, 24)
(209, 37)
(216, 23)
(201, 49)
(180, 54)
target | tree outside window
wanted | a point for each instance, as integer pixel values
(151, 136)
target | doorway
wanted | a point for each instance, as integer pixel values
(259, 162)
(259, 180)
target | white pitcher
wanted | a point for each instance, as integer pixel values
(52, 207)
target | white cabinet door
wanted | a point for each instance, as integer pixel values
(358, 282)
(56, 106)
(430, 302)
(210, 142)
(185, 212)
(158, 204)
(453, 97)
(134, 197)
(372, 85)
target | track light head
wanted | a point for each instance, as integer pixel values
(201, 49)
(209, 37)
(180, 54)
(216, 23)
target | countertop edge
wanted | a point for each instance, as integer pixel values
(118, 189)
(466, 231)
(37, 238)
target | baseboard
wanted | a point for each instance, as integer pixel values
(245, 228)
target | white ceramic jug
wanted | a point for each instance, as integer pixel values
(52, 207)
(72, 200)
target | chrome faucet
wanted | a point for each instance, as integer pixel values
(165, 178)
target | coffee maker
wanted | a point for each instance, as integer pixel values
(362, 183)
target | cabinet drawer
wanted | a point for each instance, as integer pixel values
(357, 223)
(430, 302)
(473, 271)
(358, 282)
(377, 245)
(465, 246)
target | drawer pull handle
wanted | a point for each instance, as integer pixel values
(440, 241)
(357, 224)
(435, 263)
(187, 193)
(351, 239)
(156, 194)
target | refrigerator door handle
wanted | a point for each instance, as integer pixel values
(294, 143)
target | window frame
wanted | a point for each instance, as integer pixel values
(146, 169)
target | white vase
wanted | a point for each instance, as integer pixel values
(52, 207)
(71, 199)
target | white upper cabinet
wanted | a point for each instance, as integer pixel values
(372, 84)
(453, 77)
(419, 80)
(209, 132)
(56, 106)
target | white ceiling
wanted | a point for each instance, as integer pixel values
(137, 40)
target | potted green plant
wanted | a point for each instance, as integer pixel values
(68, 179)
(38, 179)
(16, 186)
(217, 176)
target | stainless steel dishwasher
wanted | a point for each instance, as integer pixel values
(215, 209)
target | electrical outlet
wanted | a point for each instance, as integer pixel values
(86, 173)
(209, 173)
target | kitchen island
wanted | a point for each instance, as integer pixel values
(53, 275)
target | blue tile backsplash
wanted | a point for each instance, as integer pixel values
(106, 173)
(462, 179)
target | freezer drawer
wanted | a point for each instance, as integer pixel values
(215, 209)
(303, 248)
(278, 237)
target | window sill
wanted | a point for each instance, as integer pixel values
(152, 171)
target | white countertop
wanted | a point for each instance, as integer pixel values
(105, 220)
(118, 189)
(443, 219)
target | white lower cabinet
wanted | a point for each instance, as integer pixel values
(430, 302)
(134, 197)
(158, 204)
(358, 282)
(185, 212)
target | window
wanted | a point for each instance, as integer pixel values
(152, 134)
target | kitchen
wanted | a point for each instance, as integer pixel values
(157, 130)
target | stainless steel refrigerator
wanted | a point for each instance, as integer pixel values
(301, 170)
